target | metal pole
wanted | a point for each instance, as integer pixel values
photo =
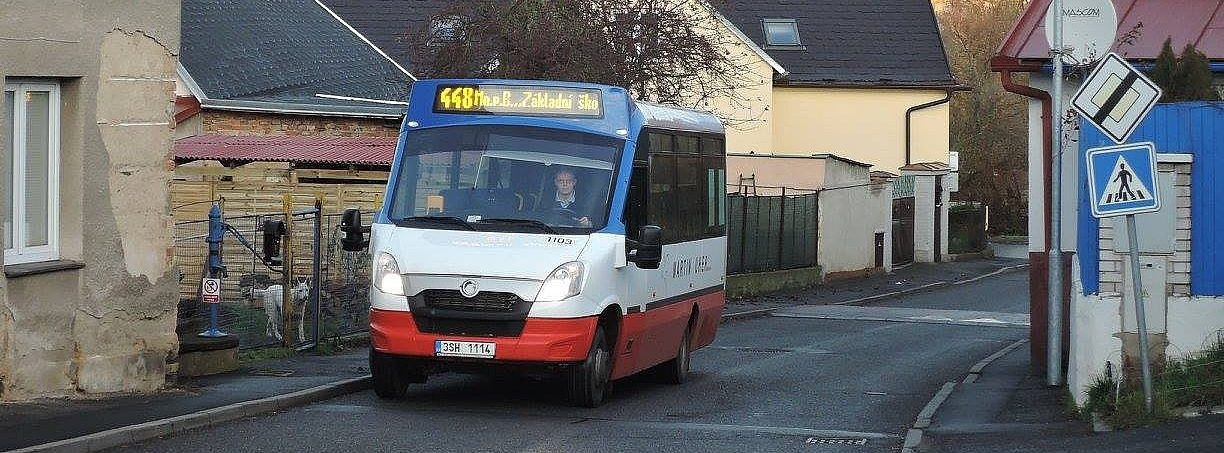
(318, 274)
(1054, 324)
(781, 228)
(216, 233)
(1140, 313)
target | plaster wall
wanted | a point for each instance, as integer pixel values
(106, 324)
(866, 125)
(1070, 170)
(851, 213)
(791, 172)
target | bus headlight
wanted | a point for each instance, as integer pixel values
(387, 276)
(564, 281)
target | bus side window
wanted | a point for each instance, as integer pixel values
(690, 183)
(637, 201)
(714, 165)
(662, 204)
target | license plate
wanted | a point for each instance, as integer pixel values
(464, 349)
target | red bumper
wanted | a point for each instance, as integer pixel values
(542, 340)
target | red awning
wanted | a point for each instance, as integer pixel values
(373, 151)
(1200, 22)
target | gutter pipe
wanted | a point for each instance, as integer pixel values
(1005, 75)
(908, 117)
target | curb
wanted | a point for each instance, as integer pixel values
(765, 311)
(913, 437)
(144, 431)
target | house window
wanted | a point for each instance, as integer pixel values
(781, 32)
(31, 145)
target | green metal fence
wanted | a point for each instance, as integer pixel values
(772, 232)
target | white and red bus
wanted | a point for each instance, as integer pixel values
(551, 226)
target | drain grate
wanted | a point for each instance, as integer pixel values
(835, 441)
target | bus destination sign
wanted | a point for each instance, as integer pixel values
(519, 100)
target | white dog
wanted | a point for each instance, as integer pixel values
(273, 303)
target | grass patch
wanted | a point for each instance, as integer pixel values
(1194, 380)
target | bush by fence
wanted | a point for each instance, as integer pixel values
(966, 228)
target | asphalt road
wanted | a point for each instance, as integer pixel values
(778, 383)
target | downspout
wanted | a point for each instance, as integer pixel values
(908, 116)
(1005, 75)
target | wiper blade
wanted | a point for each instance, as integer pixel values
(535, 223)
(447, 220)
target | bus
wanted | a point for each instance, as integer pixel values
(552, 227)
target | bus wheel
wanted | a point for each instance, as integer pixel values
(390, 376)
(590, 381)
(676, 370)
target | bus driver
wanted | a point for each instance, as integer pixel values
(565, 202)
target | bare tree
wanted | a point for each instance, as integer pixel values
(988, 124)
(676, 52)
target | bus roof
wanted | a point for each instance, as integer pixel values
(675, 118)
(616, 110)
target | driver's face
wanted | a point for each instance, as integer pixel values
(565, 182)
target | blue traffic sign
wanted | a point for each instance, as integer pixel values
(1122, 180)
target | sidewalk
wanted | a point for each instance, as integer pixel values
(38, 422)
(1009, 409)
(912, 278)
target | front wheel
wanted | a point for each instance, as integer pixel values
(391, 375)
(589, 382)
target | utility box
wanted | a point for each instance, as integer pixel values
(1155, 301)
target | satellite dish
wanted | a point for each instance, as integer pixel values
(1089, 29)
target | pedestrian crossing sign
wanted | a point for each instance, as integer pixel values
(1122, 180)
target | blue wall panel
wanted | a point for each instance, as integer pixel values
(1192, 128)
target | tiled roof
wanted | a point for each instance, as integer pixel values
(283, 51)
(362, 151)
(387, 23)
(1200, 22)
(851, 42)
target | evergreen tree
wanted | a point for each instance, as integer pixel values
(1164, 72)
(1193, 76)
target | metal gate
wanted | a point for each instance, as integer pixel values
(903, 221)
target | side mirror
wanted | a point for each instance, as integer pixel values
(649, 250)
(273, 230)
(354, 234)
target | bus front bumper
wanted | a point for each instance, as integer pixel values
(542, 340)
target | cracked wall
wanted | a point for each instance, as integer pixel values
(106, 326)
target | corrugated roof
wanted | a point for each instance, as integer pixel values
(1200, 22)
(366, 151)
(283, 51)
(851, 42)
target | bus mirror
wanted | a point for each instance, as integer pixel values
(650, 247)
(354, 233)
(272, 232)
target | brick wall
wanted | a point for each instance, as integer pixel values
(251, 123)
(1178, 269)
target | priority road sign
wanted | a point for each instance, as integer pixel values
(1116, 97)
(210, 290)
(1122, 180)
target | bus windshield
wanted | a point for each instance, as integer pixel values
(504, 178)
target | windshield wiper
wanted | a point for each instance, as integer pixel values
(446, 220)
(528, 222)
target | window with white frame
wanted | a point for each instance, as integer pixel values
(31, 145)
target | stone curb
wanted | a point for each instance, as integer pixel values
(766, 311)
(201, 419)
(913, 437)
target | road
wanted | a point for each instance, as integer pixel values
(795, 381)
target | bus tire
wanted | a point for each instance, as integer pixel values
(589, 382)
(676, 371)
(389, 376)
